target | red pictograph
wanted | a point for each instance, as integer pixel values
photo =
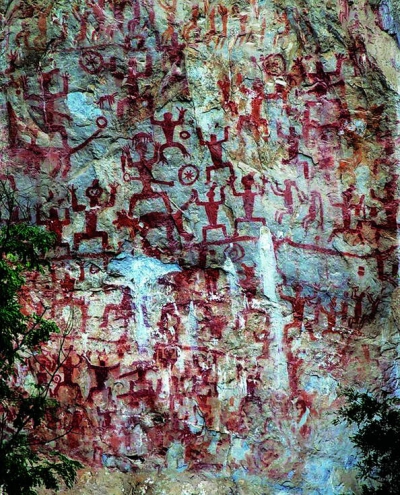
(168, 125)
(96, 204)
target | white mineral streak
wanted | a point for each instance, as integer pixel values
(234, 287)
(192, 325)
(269, 274)
(233, 278)
(140, 274)
(270, 277)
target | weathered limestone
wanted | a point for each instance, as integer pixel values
(222, 178)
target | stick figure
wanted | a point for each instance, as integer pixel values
(94, 193)
(168, 126)
(211, 209)
(215, 148)
(248, 196)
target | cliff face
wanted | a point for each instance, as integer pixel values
(222, 180)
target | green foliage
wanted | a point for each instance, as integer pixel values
(377, 417)
(23, 467)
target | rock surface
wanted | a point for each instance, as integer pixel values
(222, 178)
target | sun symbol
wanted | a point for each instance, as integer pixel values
(91, 61)
(188, 174)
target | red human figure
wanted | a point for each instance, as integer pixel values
(101, 374)
(118, 8)
(168, 126)
(169, 32)
(315, 213)
(204, 385)
(24, 34)
(170, 323)
(344, 307)
(282, 33)
(59, 158)
(244, 35)
(135, 31)
(131, 85)
(134, 22)
(150, 12)
(54, 223)
(141, 391)
(67, 297)
(82, 18)
(257, 124)
(192, 24)
(43, 367)
(224, 14)
(94, 193)
(168, 5)
(357, 319)
(67, 386)
(97, 8)
(249, 197)
(215, 148)
(322, 82)
(346, 207)
(249, 282)
(331, 314)
(375, 302)
(78, 428)
(106, 417)
(169, 220)
(144, 167)
(166, 355)
(63, 28)
(292, 142)
(172, 65)
(297, 75)
(343, 11)
(288, 200)
(298, 303)
(211, 208)
(291, 330)
(359, 56)
(47, 106)
(183, 287)
(212, 325)
(380, 258)
(390, 203)
(274, 69)
(125, 310)
(172, 54)
(225, 85)
(40, 41)
(292, 139)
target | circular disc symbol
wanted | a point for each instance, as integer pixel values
(234, 251)
(101, 122)
(184, 134)
(274, 65)
(188, 174)
(91, 61)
